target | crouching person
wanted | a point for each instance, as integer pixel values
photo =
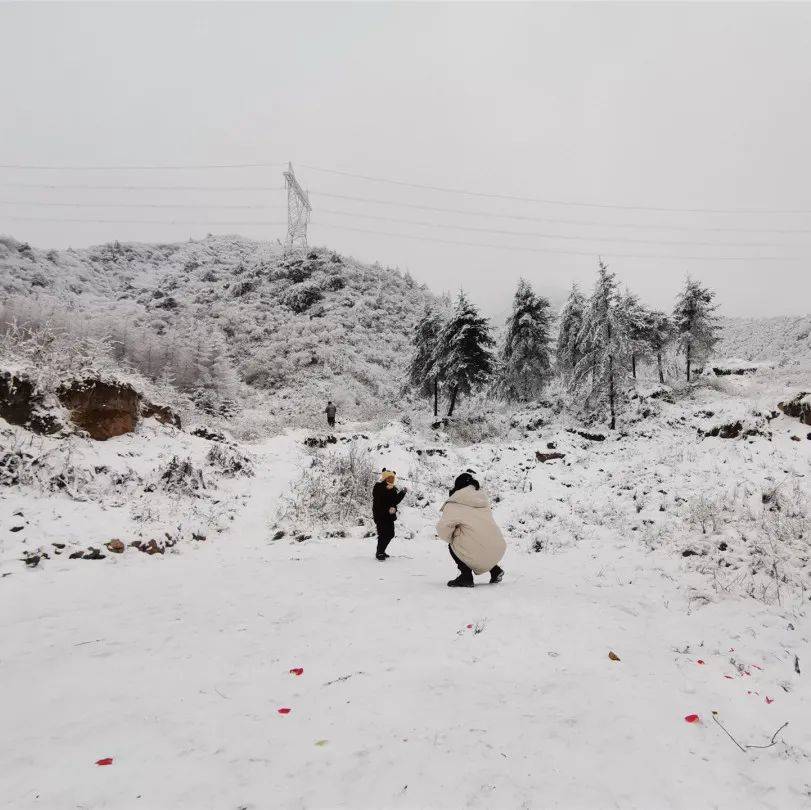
(467, 526)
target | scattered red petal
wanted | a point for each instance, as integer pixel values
(691, 718)
(757, 667)
(469, 626)
(284, 710)
(297, 671)
(769, 700)
(105, 761)
(699, 661)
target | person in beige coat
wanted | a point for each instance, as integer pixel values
(467, 526)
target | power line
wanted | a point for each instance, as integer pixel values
(28, 166)
(414, 206)
(73, 187)
(521, 248)
(565, 237)
(422, 223)
(590, 253)
(539, 200)
(259, 222)
(558, 221)
(38, 203)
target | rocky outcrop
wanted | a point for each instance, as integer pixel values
(164, 414)
(21, 404)
(799, 407)
(102, 409)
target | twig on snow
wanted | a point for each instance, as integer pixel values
(745, 748)
(343, 678)
(92, 641)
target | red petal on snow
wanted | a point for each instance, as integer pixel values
(284, 710)
(769, 700)
(757, 667)
(469, 626)
(699, 661)
(728, 676)
(297, 671)
(105, 761)
(691, 718)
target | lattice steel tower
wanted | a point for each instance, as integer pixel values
(298, 211)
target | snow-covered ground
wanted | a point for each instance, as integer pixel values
(412, 695)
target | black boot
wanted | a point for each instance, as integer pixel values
(462, 581)
(496, 575)
(381, 555)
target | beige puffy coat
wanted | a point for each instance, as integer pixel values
(467, 525)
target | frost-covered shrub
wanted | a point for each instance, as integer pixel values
(180, 477)
(335, 489)
(301, 297)
(229, 463)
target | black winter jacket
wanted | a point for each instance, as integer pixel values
(384, 499)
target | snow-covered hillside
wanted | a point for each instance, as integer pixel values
(298, 329)
(227, 668)
(784, 341)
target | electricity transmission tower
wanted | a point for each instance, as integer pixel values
(298, 211)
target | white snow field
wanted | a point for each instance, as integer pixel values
(176, 666)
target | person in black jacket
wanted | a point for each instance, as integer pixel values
(385, 499)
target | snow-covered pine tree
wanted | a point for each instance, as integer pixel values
(465, 352)
(695, 322)
(526, 364)
(603, 368)
(423, 370)
(634, 315)
(569, 350)
(659, 336)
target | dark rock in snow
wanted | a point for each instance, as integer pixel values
(115, 546)
(93, 554)
(799, 407)
(688, 552)
(278, 535)
(592, 437)
(17, 528)
(316, 441)
(76, 555)
(211, 435)
(164, 414)
(544, 457)
(739, 370)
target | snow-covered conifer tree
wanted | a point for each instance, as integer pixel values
(659, 335)
(526, 364)
(569, 350)
(603, 368)
(423, 370)
(695, 322)
(465, 352)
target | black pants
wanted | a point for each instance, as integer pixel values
(385, 534)
(464, 569)
(331, 421)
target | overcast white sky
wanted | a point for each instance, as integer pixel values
(652, 106)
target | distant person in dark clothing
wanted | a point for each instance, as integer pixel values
(330, 412)
(385, 499)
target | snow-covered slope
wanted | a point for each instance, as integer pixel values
(301, 328)
(785, 341)
(685, 554)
